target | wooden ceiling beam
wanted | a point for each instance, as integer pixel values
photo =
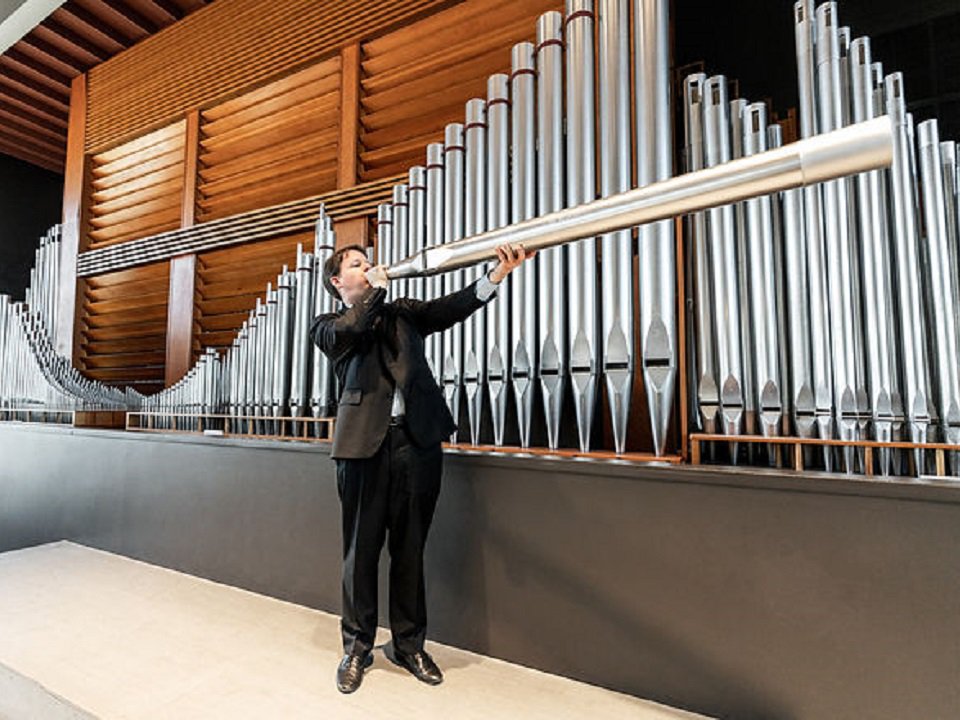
(132, 16)
(170, 8)
(16, 149)
(19, 114)
(96, 24)
(57, 113)
(53, 53)
(14, 77)
(45, 71)
(74, 38)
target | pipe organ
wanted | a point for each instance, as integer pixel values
(823, 293)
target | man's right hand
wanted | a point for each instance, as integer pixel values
(377, 276)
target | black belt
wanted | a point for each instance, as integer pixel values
(398, 420)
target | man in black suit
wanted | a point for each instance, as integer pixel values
(390, 422)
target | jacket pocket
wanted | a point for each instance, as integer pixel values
(351, 396)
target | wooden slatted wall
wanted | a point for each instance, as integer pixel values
(417, 79)
(223, 49)
(123, 326)
(277, 143)
(230, 281)
(264, 144)
(136, 189)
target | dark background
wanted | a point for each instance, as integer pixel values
(30, 199)
(752, 41)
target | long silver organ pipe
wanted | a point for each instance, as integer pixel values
(453, 219)
(721, 230)
(618, 329)
(659, 348)
(475, 222)
(523, 206)
(820, 342)
(943, 282)
(705, 392)
(583, 332)
(858, 148)
(553, 366)
(498, 215)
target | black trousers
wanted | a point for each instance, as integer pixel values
(394, 491)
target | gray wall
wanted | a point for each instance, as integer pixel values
(739, 595)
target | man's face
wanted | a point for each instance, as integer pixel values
(352, 281)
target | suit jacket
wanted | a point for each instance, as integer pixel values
(376, 346)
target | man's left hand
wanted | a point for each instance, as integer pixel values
(511, 257)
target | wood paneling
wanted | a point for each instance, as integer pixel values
(277, 143)
(180, 297)
(230, 281)
(418, 78)
(123, 327)
(36, 72)
(136, 189)
(230, 46)
(73, 189)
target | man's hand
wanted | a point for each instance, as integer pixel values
(511, 257)
(377, 276)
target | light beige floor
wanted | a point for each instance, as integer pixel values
(124, 639)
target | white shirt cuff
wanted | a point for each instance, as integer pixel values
(486, 288)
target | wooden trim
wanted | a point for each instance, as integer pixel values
(183, 269)
(681, 382)
(354, 231)
(349, 116)
(180, 306)
(188, 207)
(73, 182)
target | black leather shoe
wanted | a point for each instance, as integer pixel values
(420, 665)
(350, 671)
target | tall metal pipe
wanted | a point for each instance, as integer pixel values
(453, 219)
(475, 222)
(498, 215)
(657, 244)
(762, 283)
(523, 206)
(946, 335)
(706, 391)
(916, 389)
(616, 283)
(858, 148)
(433, 287)
(553, 367)
(583, 332)
(721, 231)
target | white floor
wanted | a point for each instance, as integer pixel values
(120, 638)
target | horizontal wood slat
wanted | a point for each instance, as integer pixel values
(230, 281)
(123, 326)
(279, 146)
(222, 50)
(241, 230)
(417, 79)
(136, 188)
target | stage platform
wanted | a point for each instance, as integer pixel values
(91, 634)
(730, 593)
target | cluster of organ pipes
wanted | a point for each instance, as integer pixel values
(830, 311)
(35, 382)
(272, 375)
(537, 143)
(826, 311)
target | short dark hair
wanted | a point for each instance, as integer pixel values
(331, 267)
